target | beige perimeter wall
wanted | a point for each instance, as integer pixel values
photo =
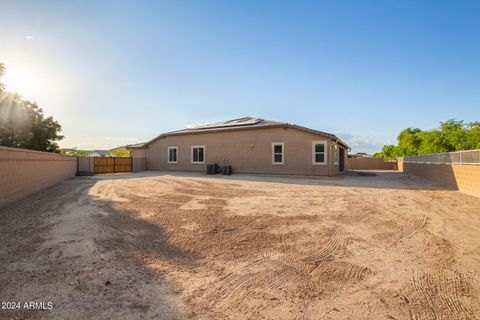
(138, 164)
(247, 151)
(463, 177)
(370, 164)
(86, 164)
(23, 172)
(400, 164)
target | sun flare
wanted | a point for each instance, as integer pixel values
(21, 79)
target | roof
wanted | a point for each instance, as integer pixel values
(101, 153)
(361, 155)
(236, 124)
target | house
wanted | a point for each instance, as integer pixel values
(249, 145)
(87, 153)
(361, 155)
(97, 153)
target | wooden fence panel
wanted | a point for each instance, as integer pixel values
(112, 165)
(123, 164)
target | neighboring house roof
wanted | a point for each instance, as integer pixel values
(136, 146)
(361, 155)
(236, 124)
(97, 153)
(117, 148)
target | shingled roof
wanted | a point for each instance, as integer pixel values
(236, 124)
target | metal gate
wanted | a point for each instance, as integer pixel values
(112, 164)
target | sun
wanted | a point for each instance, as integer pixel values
(22, 80)
(36, 79)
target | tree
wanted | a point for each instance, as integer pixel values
(388, 152)
(452, 135)
(472, 137)
(119, 152)
(74, 152)
(409, 141)
(23, 124)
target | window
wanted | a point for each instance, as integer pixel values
(319, 152)
(198, 154)
(172, 154)
(277, 153)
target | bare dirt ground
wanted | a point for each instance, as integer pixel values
(179, 246)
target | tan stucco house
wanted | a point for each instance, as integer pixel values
(249, 145)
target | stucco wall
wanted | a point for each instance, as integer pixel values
(86, 164)
(463, 177)
(370, 164)
(247, 151)
(400, 164)
(138, 164)
(137, 153)
(23, 172)
(336, 162)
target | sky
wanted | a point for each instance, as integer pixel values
(122, 72)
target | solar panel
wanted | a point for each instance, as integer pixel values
(231, 123)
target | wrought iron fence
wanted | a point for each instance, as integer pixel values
(463, 157)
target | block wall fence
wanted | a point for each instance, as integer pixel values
(368, 163)
(24, 172)
(462, 177)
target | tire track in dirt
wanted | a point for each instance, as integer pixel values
(447, 295)
(337, 242)
(438, 290)
(342, 269)
(260, 282)
(274, 271)
(233, 279)
(411, 226)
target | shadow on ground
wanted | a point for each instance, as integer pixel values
(53, 249)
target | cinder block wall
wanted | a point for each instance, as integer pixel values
(23, 172)
(463, 177)
(369, 164)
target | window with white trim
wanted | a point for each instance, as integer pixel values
(278, 153)
(319, 152)
(172, 154)
(198, 154)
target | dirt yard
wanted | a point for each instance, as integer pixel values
(186, 246)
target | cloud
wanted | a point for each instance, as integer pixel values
(369, 142)
(30, 38)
